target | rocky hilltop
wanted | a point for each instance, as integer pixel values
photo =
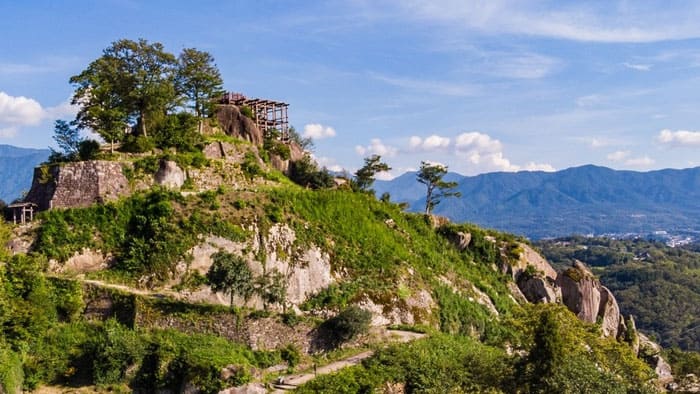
(211, 270)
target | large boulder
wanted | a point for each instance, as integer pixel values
(235, 124)
(539, 289)
(583, 294)
(609, 312)
(650, 352)
(580, 292)
(170, 175)
(528, 257)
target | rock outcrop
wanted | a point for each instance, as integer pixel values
(170, 175)
(235, 124)
(79, 184)
(650, 352)
(583, 294)
(305, 269)
(609, 312)
(534, 277)
(538, 289)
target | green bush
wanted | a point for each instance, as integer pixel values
(348, 324)
(250, 166)
(247, 112)
(11, 374)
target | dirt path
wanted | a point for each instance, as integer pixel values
(291, 382)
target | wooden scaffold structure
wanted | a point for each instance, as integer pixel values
(267, 114)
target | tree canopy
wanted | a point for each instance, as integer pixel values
(365, 176)
(431, 176)
(137, 85)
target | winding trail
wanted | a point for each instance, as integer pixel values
(293, 381)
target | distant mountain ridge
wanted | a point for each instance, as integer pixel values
(16, 169)
(579, 200)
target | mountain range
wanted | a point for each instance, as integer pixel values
(579, 200)
(16, 169)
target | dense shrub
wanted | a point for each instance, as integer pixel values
(306, 173)
(348, 324)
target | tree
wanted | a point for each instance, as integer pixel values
(305, 143)
(131, 81)
(272, 288)
(305, 172)
(547, 354)
(364, 177)
(230, 275)
(68, 140)
(199, 80)
(431, 176)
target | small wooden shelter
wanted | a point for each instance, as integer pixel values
(268, 114)
(22, 212)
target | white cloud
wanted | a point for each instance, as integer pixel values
(479, 142)
(638, 67)
(679, 137)
(318, 131)
(579, 21)
(19, 111)
(618, 155)
(486, 154)
(431, 143)
(532, 166)
(328, 162)
(376, 147)
(643, 161)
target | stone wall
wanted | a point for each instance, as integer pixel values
(78, 184)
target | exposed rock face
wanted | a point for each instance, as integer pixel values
(77, 184)
(414, 309)
(170, 175)
(609, 311)
(461, 240)
(580, 292)
(86, 261)
(529, 257)
(583, 294)
(538, 289)
(238, 125)
(306, 270)
(651, 353)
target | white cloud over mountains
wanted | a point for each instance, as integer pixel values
(679, 138)
(318, 131)
(624, 157)
(19, 111)
(376, 147)
(481, 152)
(431, 143)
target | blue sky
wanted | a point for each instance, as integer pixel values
(478, 86)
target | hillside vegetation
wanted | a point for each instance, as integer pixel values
(377, 252)
(207, 268)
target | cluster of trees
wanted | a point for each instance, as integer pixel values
(429, 174)
(137, 89)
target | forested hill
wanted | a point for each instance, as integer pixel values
(579, 200)
(16, 168)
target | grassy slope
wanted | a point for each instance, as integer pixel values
(380, 251)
